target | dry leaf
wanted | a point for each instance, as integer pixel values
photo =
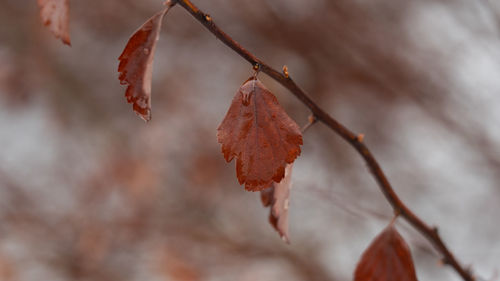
(259, 133)
(388, 258)
(55, 15)
(136, 65)
(277, 197)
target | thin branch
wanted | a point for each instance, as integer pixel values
(355, 140)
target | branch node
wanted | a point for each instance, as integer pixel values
(285, 71)
(207, 17)
(256, 69)
(397, 212)
(310, 121)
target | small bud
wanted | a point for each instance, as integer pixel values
(311, 118)
(207, 17)
(285, 71)
(360, 137)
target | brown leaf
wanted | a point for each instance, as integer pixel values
(259, 133)
(277, 197)
(388, 258)
(55, 15)
(136, 65)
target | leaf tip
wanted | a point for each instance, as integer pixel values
(146, 117)
(285, 239)
(55, 15)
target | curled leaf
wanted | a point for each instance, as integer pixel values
(258, 132)
(136, 65)
(388, 258)
(277, 197)
(55, 15)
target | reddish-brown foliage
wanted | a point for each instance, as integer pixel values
(388, 258)
(55, 15)
(136, 65)
(259, 133)
(278, 198)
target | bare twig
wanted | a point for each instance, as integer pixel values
(355, 140)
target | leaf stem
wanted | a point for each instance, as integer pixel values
(310, 121)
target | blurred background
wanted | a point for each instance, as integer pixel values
(88, 191)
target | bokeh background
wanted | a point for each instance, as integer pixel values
(88, 191)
